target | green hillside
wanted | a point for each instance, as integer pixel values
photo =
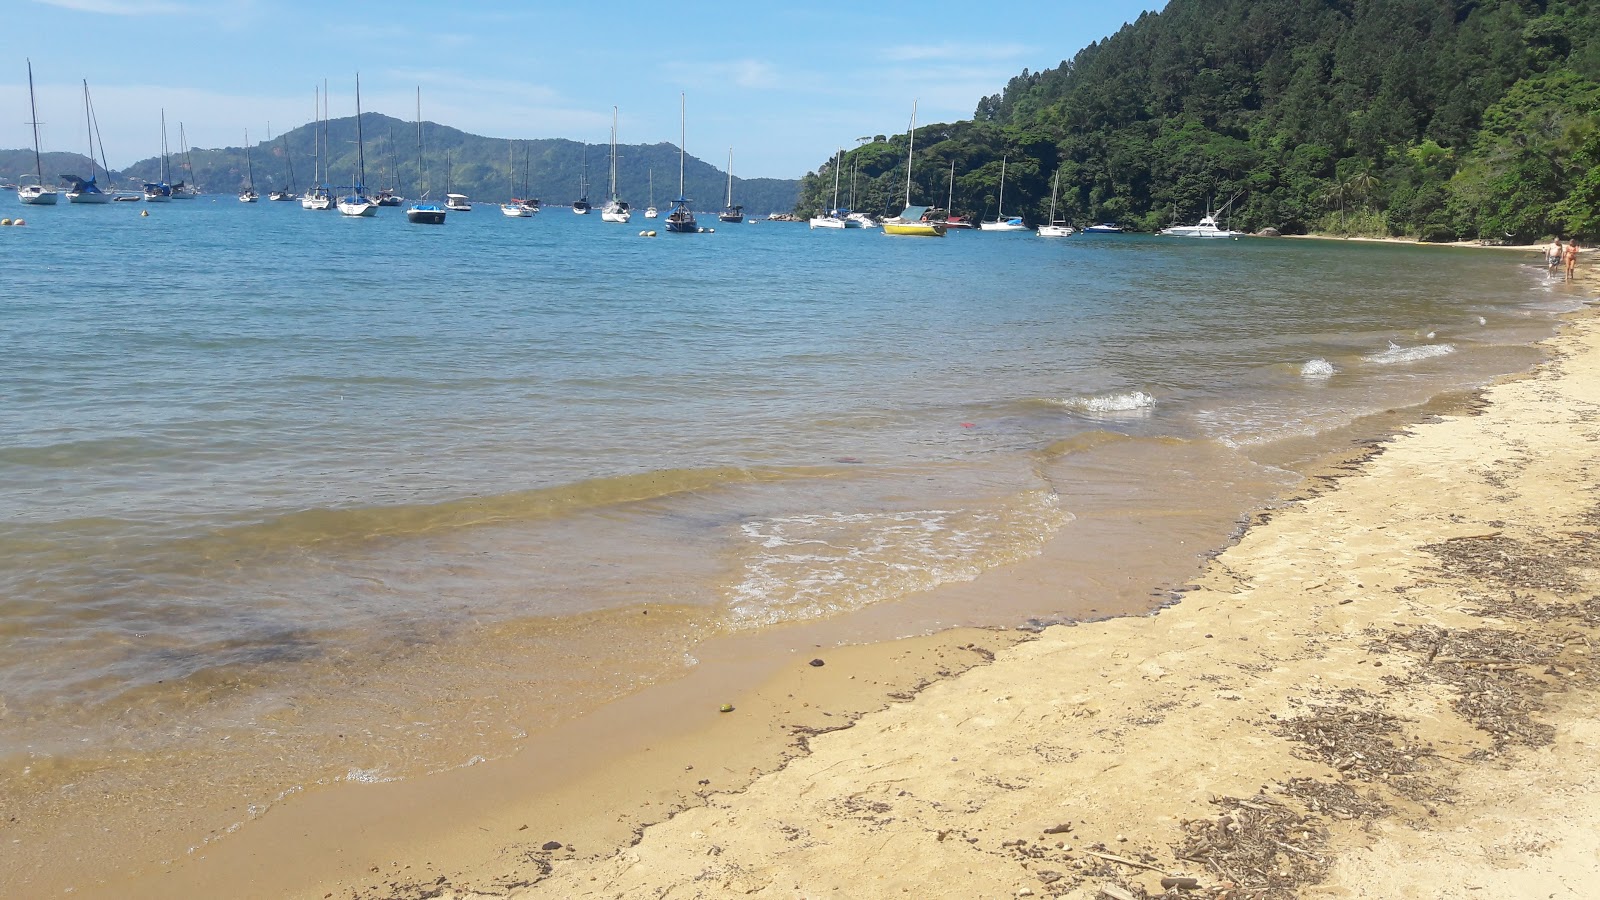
(480, 167)
(1439, 119)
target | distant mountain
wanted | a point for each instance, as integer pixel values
(479, 166)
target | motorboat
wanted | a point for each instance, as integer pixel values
(457, 203)
(1103, 228)
(1207, 228)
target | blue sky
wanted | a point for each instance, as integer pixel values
(783, 84)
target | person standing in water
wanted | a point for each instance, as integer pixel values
(1570, 259)
(1552, 253)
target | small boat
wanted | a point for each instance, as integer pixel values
(1207, 226)
(730, 212)
(357, 204)
(286, 194)
(615, 210)
(830, 217)
(248, 195)
(183, 190)
(422, 212)
(650, 212)
(912, 221)
(681, 220)
(87, 191)
(457, 203)
(1055, 229)
(513, 208)
(38, 193)
(860, 220)
(387, 197)
(1103, 228)
(957, 222)
(1001, 221)
(318, 195)
(161, 191)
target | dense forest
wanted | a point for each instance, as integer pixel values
(1436, 119)
(483, 168)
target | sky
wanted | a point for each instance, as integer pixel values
(781, 83)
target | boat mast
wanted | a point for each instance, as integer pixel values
(38, 164)
(88, 124)
(838, 163)
(95, 125)
(950, 203)
(683, 133)
(613, 154)
(1054, 187)
(361, 154)
(1000, 214)
(166, 158)
(422, 172)
(730, 178)
(911, 149)
(249, 170)
(188, 160)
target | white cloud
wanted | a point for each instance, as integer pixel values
(121, 7)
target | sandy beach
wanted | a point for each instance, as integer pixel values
(1379, 691)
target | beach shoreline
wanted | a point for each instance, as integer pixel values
(787, 716)
(1379, 691)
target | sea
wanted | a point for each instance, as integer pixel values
(292, 501)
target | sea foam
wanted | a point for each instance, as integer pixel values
(1398, 355)
(1317, 368)
(1128, 401)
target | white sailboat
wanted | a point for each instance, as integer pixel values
(615, 210)
(422, 212)
(1055, 229)
(910, 222)
(248, 195)
(87, 191)
(357, 204)
(1001, 221)
(286, 193)
(513, 208)
(317, 195)
(38, 193)
(830, 217)
(650, 212)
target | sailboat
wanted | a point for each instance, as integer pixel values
(528, 201)
(650, 212)
(950, 219)
(87, 191)
(731, 213)
(285, 193)
(422, 212)
(1055, 229)
(388, 196)
(161, 191)
(853, 219)
(185, 190)
(1001, 222)
(513, 207)
(38, 193)
(909, 223)
(831, 217)
(248, 195)
(318, 195)
(581, 206)
(615, 210)
(681, 219)
(357, 203)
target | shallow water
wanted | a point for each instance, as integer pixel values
(290, 499)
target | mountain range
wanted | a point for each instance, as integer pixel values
(484, 168)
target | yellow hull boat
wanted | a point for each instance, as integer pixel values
(917, 229)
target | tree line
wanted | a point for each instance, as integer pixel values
(1435, 119)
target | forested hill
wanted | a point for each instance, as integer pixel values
(1439, 119)
(481, 167)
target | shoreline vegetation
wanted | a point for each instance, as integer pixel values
(1380, 689)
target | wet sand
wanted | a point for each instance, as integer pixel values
(1340, 705)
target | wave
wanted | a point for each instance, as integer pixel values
(1317, 368)
(1126, 401)
(1398, 355)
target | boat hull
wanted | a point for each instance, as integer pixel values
(515, 211)
(425, 216)
(651, 213)
(620, 217)
(85, 197)
(358, 209)
(1055, 231)
(33, 195)
(828, 222)
(1002, 226)
(914, 229)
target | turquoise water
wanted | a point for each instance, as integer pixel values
(288, 498)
